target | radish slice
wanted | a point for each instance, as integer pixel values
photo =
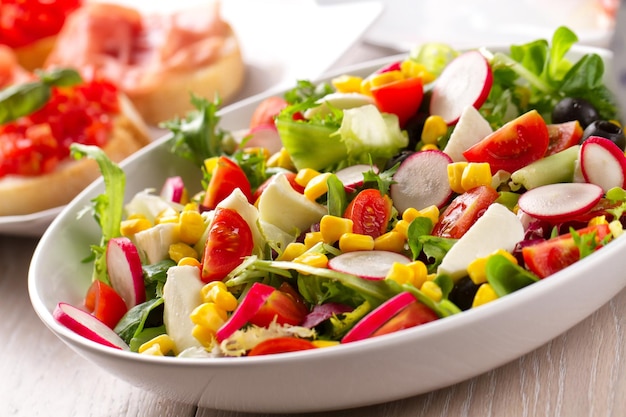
(173, 189)
(264, 136)
(88, 326)
(252, 302)
(125, 271)
(602, 163)
(466, 81)
(560, 201)
(368, 264)
(379, 316)
(352, 176)
(422, 181)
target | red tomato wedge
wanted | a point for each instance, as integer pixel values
(402, 98)
(266, 111)
(514, 145)
(248, 307)
(228, 242)
(552, 255)
(105, 304)
(281, 306)
(225, 178)
(412, 315)
(370, 212)
(563, 136)
(463, 211)
(280, 345)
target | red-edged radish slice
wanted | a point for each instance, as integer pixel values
(264, 136)
(248, 307)
(377, 317)
(560, 201)
(173, 189)
(125, 271)
(88, 326)
(352, 176)
(422, 181)
(368, 264)
(603, 163)
(466, 81)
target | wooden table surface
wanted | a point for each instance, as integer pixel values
(580, 373)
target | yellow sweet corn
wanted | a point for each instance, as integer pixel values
(434, 128)
(316, 259)
(400, 273)
(219, 295)
(332, 227)
(204, 335)
(432, 212)
(130, 227)
(210, 164)
(209, 315)
(384, 78)
(180, 250)
(484, 295)
(420, 273)
(312, 238)
(391, 241)
(597, 221)
(429, 147)
(191, 226)
(350, 242)
(476, 174)
(347, 84)
(304, 175)
(324, 343)
(292, 251)
(476, 268)
(402, 227)
(159, 345)
(432, 290)
(188, 261)
(455, 176)
(317, 186)
(412, 69)
(281, 159)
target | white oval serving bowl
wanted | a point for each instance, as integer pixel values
(381, 369)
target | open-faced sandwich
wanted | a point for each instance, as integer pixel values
(156, 59)
(41, 115)
(30, 27)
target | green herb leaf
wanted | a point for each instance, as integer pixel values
(505, 277)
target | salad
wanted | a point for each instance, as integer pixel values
(363, 206)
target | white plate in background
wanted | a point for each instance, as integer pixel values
(281, 40)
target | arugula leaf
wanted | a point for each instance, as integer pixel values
(198, 137)
(108, 208)
(383, 180)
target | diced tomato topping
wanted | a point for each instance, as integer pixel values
(105, 303)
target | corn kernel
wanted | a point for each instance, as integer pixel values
(332, 227)
(434, 128)
(432, 290)
(597, 221)
(402, 227)
(312, 238)
(204, 335)
(292, 251)
(281, 159)
(455, 176)
(347, 84)
(476, 268)
(391, 241)
(350, 242)
(317, 187)
(420, 273)
(484, 295)
(180, 250)
(189, 261)
(384, 78)
(220, 296)
(412, 69)
(208, 315)
(400, 273)
(366, 87)
(163, 341)
(429, 147)
(476, 174)
(324, 343)
(154, 350)
(410, 214)
(316, 259)
(130, 227)
(304, 175)
(432, 212)
(191, 226)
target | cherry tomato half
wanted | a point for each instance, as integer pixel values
(412, 315)
(402, 98)
(266, 111)
(370, 212)
(563, 136)
(280, 306)
(228, 242)
(280, 345)
(105, 303)
(516, 144)
(463, 211)
(225, 178)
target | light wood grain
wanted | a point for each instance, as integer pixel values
(579, 373)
